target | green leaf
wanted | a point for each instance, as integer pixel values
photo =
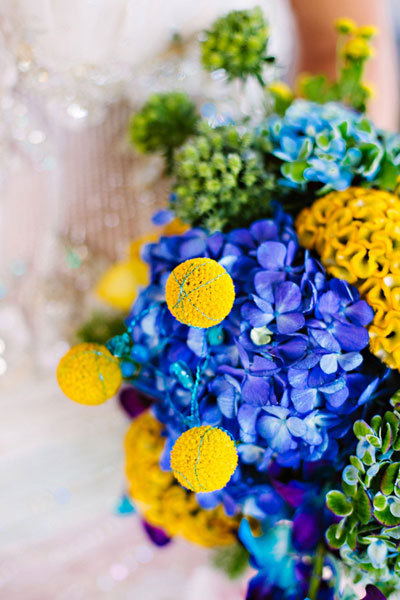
(387, 174)
(385, 517)
(393, 421)
(380, 502)
(373, 440)
(351, 538)
(306, 149)
(350, 475)
(393, 532)
(369, 457)
(372, 471)
(356, 462)
(338, 503)
(376, 423)
(389, 478)
(336, 536)
(387, 439)
(362, 506)
(362, 429)
(349, 490)
(295, 170)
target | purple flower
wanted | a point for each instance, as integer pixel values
(281, 308)
(280, 429)
(276, 260)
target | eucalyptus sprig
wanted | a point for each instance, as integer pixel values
(368, 533)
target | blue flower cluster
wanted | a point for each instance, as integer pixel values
(284, 371)
(331, 146)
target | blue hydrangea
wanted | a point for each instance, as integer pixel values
(285, 372)
(331, 147)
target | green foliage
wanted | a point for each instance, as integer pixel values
(220, 179)
(368, 535)
(233, 560)
(100, 327)
(163, 124)
(354, 50)
(237, 43)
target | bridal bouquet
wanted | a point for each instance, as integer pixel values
(261, 355)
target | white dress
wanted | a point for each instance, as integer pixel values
(71, 71)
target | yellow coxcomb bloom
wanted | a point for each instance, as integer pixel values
(357, 235)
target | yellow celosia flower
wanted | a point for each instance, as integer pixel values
(345, 25)
(119, 285)
(162, 500)
(357, 235)
(357, 49)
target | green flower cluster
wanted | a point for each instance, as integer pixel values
(368, 534)
(237, 43)
(100, 327)
(354, 50)
(163, 124)
(220, 179)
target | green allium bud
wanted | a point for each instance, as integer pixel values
(229, 186)
(164, 123)
(237, 43)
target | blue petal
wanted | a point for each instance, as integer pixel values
(264, 280)
(290, 322)
(287, 297)
(271, 255)
(254, 315)
(350, 361)
(296, 426)
(247, 418)
(264, 230)
(255, 391)
(350, 337)
(304, 400)
(329, 363)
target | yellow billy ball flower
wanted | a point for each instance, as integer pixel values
(357, 235)
(89, 374)
(162, 501)
(204, 458)
(200, 292)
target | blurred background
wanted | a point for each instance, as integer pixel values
(73, 195)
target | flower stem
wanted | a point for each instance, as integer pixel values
(315, 580)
